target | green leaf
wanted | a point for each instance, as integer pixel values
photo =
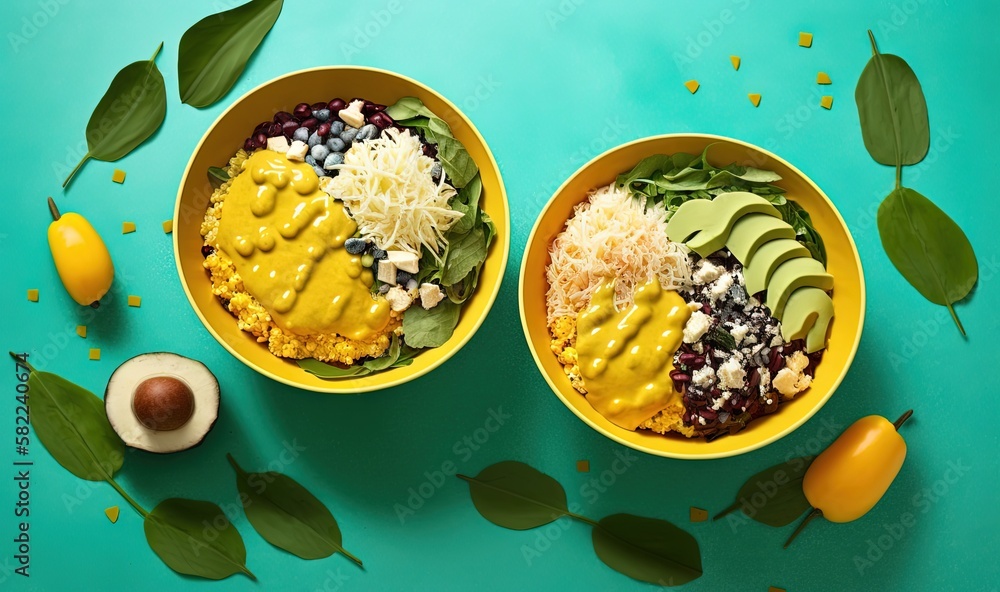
(647, 549)
(458, 166)
(774, 496)
(196, 538)
(927, 248)
(514, 495)
(430, 328)
(287, 515)
(217, 176)
(130, 111)
(214, 52)
(801, 222)
(397, 356)
(467, 202)
(892, 109)
(645, 169)
(71, 423)
(721, 338)
(466, 252)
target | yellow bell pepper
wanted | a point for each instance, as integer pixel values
(81, 258)
(847, 479)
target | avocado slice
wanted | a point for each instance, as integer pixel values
(716, 220)
(792, 275)
(752, 231)
(768, 256)
(808, 313)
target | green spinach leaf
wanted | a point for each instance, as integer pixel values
(458, 166)
(801, 222)
(196, 538)
(781, 489)
(514, 495)
(397, 356)
(430, 327)
(647, 549)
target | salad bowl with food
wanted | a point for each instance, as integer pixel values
(342, 229)
(691, 296)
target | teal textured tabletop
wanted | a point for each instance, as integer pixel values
(549, 84)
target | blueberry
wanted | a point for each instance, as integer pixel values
(368, 132)
(333, 159)
(319, 171)
(335, 144)
(314, 139)
(301, 134)
(436, 171)
(402, 277)
(379, 254)
(310, 160)
(336, 127)
(355, 246)
(321, 114)
(411, 284)
(319, 152)
(349, 134)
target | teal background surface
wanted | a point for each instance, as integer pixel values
(550, 84)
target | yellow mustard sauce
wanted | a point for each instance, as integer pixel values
(626, 356)
(286, 239)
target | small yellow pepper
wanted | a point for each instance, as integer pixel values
(847, 479)
(81, 258)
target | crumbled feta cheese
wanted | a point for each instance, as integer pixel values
(721, 286)
(278, 144)
(430, 295)
(698, 348)
(297, 151)
(386, 272)
(726, 395)
(399, 299)
(693, 306)
(765, 380)
(731, 374)
(352, 115)
(704, 376)
(701, 420)
(739, 332)
(797, 362)
(696, 327)
(403, 260)
(718, 403)
(750, 339)
(776, 341)
(706, 272)
(789, 383)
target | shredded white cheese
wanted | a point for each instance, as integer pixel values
(387, 187)
(612, 235)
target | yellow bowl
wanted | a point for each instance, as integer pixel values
(843, 264)
(226, 136)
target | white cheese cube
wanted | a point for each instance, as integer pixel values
(731, 374)
(278, 144)
(297, 151)
(696, 327)
(386, 272)
(352, 115)
(739, 332)
(704, 376)
(721, 286)
(403, 260)
(430, 295)
(706, 272)
(398, 298)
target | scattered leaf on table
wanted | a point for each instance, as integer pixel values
(130, 111)
(287, 515)
(214, 52)
(927, 248)
(196, 538)
(647, 549)
(773, 496)
(514, 495)
(893, 111)
(70, 422)
(692, 86)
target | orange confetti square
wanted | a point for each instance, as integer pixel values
(823, 78)
(698, 514)
(583, 466)
(95, 353)
(805, 39)
(826, 102)
(112, 513)
(128, 227)
(81, 330)
(775, 589)
(754, 98)
(32, 295)
(692, 85)
(135, 301)
(118, 176)
(168, 226)
(735, 61)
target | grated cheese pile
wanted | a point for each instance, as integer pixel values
(386, 184)
(612, 235)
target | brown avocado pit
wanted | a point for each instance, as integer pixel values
(162, 402)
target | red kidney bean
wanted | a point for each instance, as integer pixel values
(303, 111)
(310, 124)
(248, 144)
(381, 120)
(686, 358)
(370, 108)
(283, 116)
(679, 376)
(336, 105)
(698, 361)
(288, 128)
(754, 379)
(716, 392)
(207, 250)
(262, 127)
(317, 106)
(705, 308)
(709, 413)
(776, 360)
(323, 129)
(274, 130)
(429, 150)
(260, 140)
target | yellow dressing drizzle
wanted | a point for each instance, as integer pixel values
(286, 239)
(626, 357)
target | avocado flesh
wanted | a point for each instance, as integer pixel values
(713, 220)
(768, 256)
(752, 231)
(808, 313)
(792, 275)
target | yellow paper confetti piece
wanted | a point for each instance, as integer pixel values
(112, 514)
(826, 102)
(128, 227)
(698, 515)
(168, 226)
(583, 466)
(33, 295)
(81, 330)
(805, 39)
(118, 176)
(775, 589)
(95, 353)
(823, 78)
(692, 85)
(754, 98)
(736, 62)
(135, 301)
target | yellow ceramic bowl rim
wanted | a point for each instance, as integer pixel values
(749, 447)
(504, 247)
